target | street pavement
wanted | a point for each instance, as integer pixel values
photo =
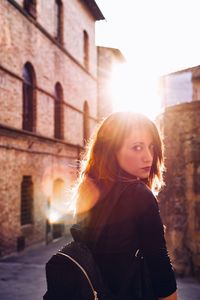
(22, 276)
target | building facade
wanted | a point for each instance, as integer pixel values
(180, 199)
(108, 58)
(180, 87)
(48, 109)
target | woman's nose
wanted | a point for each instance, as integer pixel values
(148, 155)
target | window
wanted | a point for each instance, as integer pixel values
(29, 98)
(197, 216)
(30, 7)
(85, 50)
(26, 200)
(59, 21)
(58, 112)
(86, 128)
(58, 191)
(58, 207)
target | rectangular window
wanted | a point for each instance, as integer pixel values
(30, 7)
(59, 21)
(26, 200)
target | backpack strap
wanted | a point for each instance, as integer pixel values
(82, 258)
(83, 271)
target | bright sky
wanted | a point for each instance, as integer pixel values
(156, 37)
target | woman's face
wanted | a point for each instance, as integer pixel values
(136, 154)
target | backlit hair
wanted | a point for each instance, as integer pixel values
(100, 163)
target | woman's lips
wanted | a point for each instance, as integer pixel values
(147, 169)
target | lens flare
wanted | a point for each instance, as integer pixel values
(53, 216)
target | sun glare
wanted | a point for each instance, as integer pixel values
(133, 91)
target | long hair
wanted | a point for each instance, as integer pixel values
(100, 163)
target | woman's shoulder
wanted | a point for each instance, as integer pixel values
(139, 193)
(137, 186)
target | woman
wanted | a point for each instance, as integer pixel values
(115, 203)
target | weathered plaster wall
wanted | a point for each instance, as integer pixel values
(180, 199)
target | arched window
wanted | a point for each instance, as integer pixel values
(30, 7)
(58, 207)
(26, 200)
(86, 49)
(58, 112)
(58, 191)
(86, 127)
(59, 21)
(29, 98)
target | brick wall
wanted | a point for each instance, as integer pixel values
(44, 160)
(51, 65)
(24, 39)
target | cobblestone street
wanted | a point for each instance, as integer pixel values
(22, 276)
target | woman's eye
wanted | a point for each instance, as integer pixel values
(137, 148)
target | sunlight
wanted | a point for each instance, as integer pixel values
(134, 91)
(53, 216)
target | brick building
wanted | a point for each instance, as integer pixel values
(180, 199)
(48, 108)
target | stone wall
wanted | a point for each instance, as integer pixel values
(180, 199)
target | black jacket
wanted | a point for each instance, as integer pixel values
(126, 219)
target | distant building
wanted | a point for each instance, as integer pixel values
(180, 87)
(48, 108)
(180, 199)
(107, 60)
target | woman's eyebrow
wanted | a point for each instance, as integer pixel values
(140, 142)
(136, 143)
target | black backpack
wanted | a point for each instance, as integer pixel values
(90, 284)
